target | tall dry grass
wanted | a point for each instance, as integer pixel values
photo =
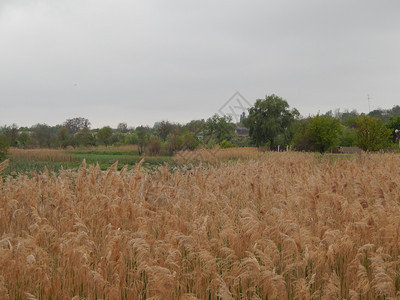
(284, 226)
(217, 154)
(3, 165)
(52, 155)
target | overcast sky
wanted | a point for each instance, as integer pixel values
(138, 62)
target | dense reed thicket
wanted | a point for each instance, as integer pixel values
(283, 226)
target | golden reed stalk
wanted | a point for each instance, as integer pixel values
(280, 225)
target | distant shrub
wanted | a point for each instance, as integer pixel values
(226, 144)
(154, 146)
(4, 145)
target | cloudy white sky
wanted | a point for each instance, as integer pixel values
(139, 62)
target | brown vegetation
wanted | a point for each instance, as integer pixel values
(50, 155)
(286, 225)
(217, 154)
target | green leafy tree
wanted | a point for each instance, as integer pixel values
(302, 139)
(122, 127)
(85, 137)
(65, 138)
(104, 135)
(218, 129)
(350, 120)
(154, 146)
(68, 132)
(348, 137)
(382, 114)
(393, 124)
(164, 128)
(43, 135)
(372, 135)
(4, 145)
(226, 144)
(11, 132)
(194, 126)
(189, 141)
(395, 111)
(324, 132)
(76, 124)
(269, 118)
(131, 138)
(24, 140)
(173, 143)
(143, 137)
(117, 138)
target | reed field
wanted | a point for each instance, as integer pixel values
(265, 226)
(48, 155)
(216, 154)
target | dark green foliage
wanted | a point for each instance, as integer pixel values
(189, 141)
(301, 139)
(76, 124)
(324, 132)
(372, 135)
(65, 138)
(44, 135)
(270, 122)
(194, 126)
(104, 135)
(165, 128)
(319, 133)
(385, 114)
(154, 146)
(4, 145)
(23, 140)
(269, 118)
(85, 137)
(393, 124)
(226, 144)
(218, 128)
(173, 144)
(143, 138)
(348, 136)
(11, 133)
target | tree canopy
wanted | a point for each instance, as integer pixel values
(324, 132)
(218, 128)
(269, 118)
(372, 135)
(104, 135)
(4, 145)
(393, 124)
(269, 122)
(76, 124)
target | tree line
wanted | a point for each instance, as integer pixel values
(270, 123)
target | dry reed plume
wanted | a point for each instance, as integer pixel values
(284, 226)
(3, 165)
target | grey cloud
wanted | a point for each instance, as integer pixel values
(139, 62)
